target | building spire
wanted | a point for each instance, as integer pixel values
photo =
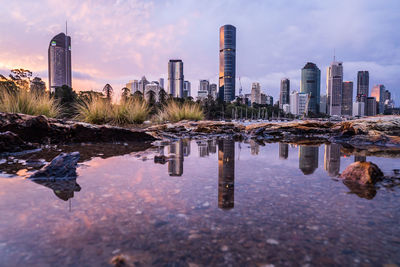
(66, 28)
(334, 55)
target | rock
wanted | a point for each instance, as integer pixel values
(10, 142)
(121, 260)
(362, 172)
(62, 166)
(367, 191)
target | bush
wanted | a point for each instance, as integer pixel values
(130, 111)
(94, 110)
(174, 111)
(29, 103)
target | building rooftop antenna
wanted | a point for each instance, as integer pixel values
(66, 28)
(334, 55)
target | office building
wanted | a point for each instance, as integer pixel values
(59, 58)
(286, 108)
(378, 91)
(294, 102)
(322, 105)
(255, 93)
(362, 86)
(133, 86)
(310, 84)
(187, 89)
(269, 100)
(142, 84)
(161, 82)
(371, 107)
(175, 78)
(204, 85)
(358, 109)
(227, 63)
(347, 98)
(213, 91)
(334, 85)
(284, 96)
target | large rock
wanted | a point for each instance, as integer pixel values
(362, 172)
(10, 142)
(61, 167)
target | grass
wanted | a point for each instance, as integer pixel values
(174, 112)
(100, 111)
(29, 103)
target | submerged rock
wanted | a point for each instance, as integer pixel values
(10, 142)
(62, 166)
(362, 172)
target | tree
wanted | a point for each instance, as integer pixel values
(21, 77)
(125, 93)
(108, 90)
(67, 96)
(138, 95)
(162, 96)
(38, 86)
(7, 85)
(151, 97)
(89, 95)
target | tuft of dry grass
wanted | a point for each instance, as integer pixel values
(174, 112)
(29, 103)
(100, 111)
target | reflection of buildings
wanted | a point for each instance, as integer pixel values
(360, 158)
(283, 151)
(226, 173)
(254, 147)
(175, 163)
(186, 147)
(308, 159)
(332, 159)
(207, 147)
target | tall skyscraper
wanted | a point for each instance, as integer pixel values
(334, 85)
(378, 91)
(255, 93)
(213, 91)
(322, 105)
(175, 78)
(362, 86)
(284, 93)
(227, 63)
(59, 54)
(310, 84)
(347, 98)
(226, 174)
(371, 106)
(187, 89)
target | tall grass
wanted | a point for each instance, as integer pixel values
(29, 103)
(99, 111)
(173, 111)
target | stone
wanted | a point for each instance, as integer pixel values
(362, 172)
(10, 142)
(63, 166)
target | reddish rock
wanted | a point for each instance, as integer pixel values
(362, 172)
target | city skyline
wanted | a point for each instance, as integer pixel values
(144, 50)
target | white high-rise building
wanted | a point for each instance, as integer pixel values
(255, 93)
(303, 98)
(334, 86)
(175, 78)
(358, 109)
(294, 100)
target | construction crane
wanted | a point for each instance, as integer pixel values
(306, 108)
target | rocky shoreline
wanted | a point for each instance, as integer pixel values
(20, 132)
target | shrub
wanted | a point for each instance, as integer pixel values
(174, 111)
(94, 110)
(29, 103)
(130, 111)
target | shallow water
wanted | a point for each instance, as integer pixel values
(215, 202)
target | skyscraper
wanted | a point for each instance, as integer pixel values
(347, 98)
(362, 86)
(59, 54)
(371, 106)
(175, 78)
(187, 89)
(204, 85)
(334, 85)
(284, 93)
(322, 105)
(255, 93)
(310, 84)
(378, 91)
(213, 91)
(227, 62)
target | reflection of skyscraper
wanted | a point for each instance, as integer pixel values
(226, 174)
(283, 151)
(203, 149)
(186, 147)
(360, 158)
(212, 146)
(175, 164)
(332, 159)
(254, 147)
(308, 159)
(59, 54)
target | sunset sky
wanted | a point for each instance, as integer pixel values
(114, 41)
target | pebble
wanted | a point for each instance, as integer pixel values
(272, 241)
(224, 248)
(116, 251)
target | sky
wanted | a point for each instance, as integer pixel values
(114, 41)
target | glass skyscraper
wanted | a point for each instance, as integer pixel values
(175, 78)
(311, 84)
(227, 62)
(362, 86)
(334, 88)
(59, 54)
(285, 92)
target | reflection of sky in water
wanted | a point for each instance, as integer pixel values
(205, 202)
